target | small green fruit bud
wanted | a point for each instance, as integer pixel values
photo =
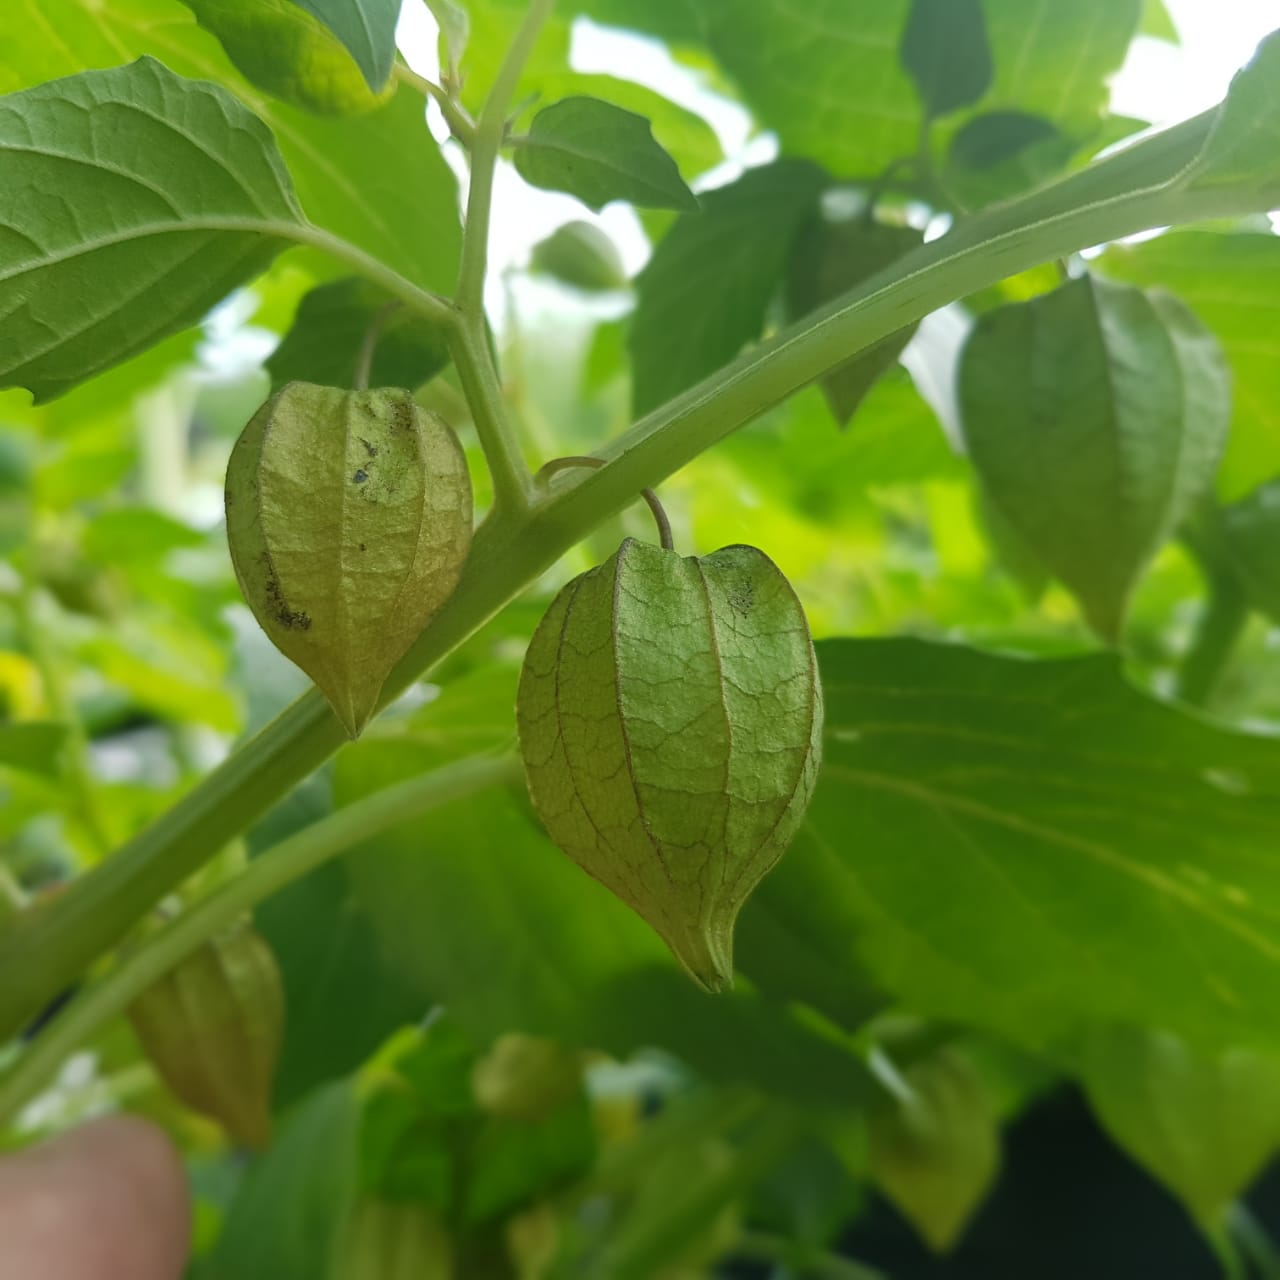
(349, 520)
(212, 1029)
(526, 1077)
(582, 256)
(670, 720)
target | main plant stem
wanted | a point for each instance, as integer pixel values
(1127, 193)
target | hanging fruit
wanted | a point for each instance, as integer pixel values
(349, 520)
(212, 1029)
(670, 721)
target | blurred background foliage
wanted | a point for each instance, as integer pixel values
(489, 1060)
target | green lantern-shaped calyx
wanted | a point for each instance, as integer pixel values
(349, 520)
(670, 720)
(212, 1028)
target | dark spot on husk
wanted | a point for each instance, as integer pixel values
(404, 414)
(370, 449)
(289, 619)
(360, 476)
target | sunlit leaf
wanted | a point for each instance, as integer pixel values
(1026, 844)
(366, 27)
(132, 200)
(600, 153)
(348, 172)
(280, 47)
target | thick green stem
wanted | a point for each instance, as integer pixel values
(512, 482)
(267, 874)
(1128, 193)
(1222, 622)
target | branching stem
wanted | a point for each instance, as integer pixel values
(580, 460)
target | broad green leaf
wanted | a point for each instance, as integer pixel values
(548, 77)
(366, 27)
(600, 153)
(935, 1150)
(287, 1216)
(706, 291)
(1055, 60)
(792, 454)
(1029, 845)
(582, 256)
(997, 154)
(514, 1161)
(280, 47)
(512, 936)
(1251, 538)
(342, 994)
(1244, 146)
(1095, 416)
(33, 746)
(378, 180)
(132, 201)
(1204, 1125)
(1014, 556)
(685, 136)
(944, 47)
(828, 258)
(349, 172)
(822, 75)
(324, 342)
(1231, 280)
